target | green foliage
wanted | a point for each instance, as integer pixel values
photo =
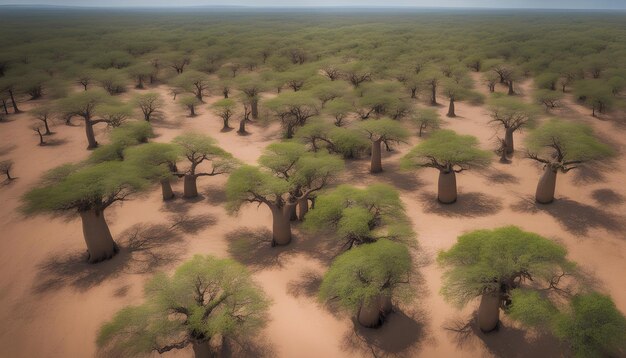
(81, 188)
(575, 142)
(383, 130)
(362, 274)
(426, 118)
(281, 157)
(197, 148)
(512, 113)
(530, 308)
(155, 160)
(593, 327)
(248, 183)
(548, 98)
(361, 215)
(596, 94)
(83, 103)
(499, 260)
(444, 150)
(348, 142)
(205, 297)
(129, 134)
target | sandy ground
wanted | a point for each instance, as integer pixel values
(52, 303)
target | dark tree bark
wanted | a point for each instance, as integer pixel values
(451, 112)
(281, 225)
(511, 91)
(376, 165)
(15, 108)
(91, 137)
(166, 190)
(508, 139)
(242, 127)
(255, 108)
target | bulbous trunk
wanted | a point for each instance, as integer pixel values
(447, 187)
(489, 312)
(192, 111)
(91, 137)
(190, 187)
(281, 226)
(255, 109)
(433, 95)
(166, 190)
(303, 207)
(508, 139)
(451, 112)
(511, 91)
(376, 164)
(385, 304)
(546, 186)
(242, 127)
(226, 125)
(369, 313)
(100, 244)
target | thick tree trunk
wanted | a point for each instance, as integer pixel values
(15, 109)
(451, 112)
(190, 187)
(492, 88)
(166, 189)
(91, 137)
(376, 164)
(369, 313)
(100, 244)
(242, 127)
(447, 187)
(546, 186)
(511, 91)
(202, 350)
(281, 226)
(508, 139)
(225, 126)
(303, 207)
(255, 109)
(433, 95)
(385, 304)
(290, 131)
(192, 111)
(489, 312)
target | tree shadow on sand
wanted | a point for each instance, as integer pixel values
(358, 171)
(253, 247)
(144, 248)
(505, 341)
(575, 217)
(607, 197)
(307, 285)
(215, 195)
(401, 335)
(468, 205)
(499, 177)
(258, 346)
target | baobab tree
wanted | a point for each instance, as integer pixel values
(359, 216)
(450, 153)
(513, 115)
(10, 86)
(293, 109)
(84, 104)
(595, 94)
(204, 299)
(493, 264)
(426, 118)
(199, 148)
(367, 279)
(561, 146)
(307, 173)
(195, 82)
(249, 184)
(157, 163)
(431, 79)
(149, 104)
(378, 132)
(190, 102)
(87, 191)
(251, 86)
(454, 92)
(225, 109)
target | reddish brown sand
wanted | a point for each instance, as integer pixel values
(52, 303)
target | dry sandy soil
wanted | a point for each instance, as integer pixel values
(52, 303)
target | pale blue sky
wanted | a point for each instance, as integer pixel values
(554, 4)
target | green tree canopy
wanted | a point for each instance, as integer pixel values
(360, 216)
(361, 277)
(205, 297)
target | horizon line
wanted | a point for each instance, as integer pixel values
(222, 6)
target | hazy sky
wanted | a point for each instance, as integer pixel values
(564, 4)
